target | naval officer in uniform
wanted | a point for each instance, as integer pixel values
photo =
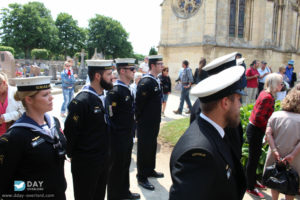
(203, 163)
(148, 116)
(120, 105)
(32, 152)
(214, 67)
(87, 133)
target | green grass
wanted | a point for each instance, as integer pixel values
(172, 131)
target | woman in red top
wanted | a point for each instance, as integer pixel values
(252, 82)
(259, 117)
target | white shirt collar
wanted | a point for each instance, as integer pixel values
(214, 124)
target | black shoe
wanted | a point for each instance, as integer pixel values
(145, 184)
(157, 174)
(132, 196)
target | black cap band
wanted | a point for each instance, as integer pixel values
(124, 64)
(33, 87)
(100, 67)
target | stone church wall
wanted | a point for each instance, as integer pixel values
(206, 33)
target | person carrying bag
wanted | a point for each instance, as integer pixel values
(281, 177)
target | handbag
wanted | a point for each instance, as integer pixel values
(282, 178)
(178, 86)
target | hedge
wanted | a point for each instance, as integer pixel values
(7, 48)
(40, 54)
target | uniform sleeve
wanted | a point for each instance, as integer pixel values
(113, 103)
(11, 153)
(74, 125)
(193, 175)
(143, 95)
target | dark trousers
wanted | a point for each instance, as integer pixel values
(254, 136)
(146, 147)
(118, 180)
(260, 88)
(89, 179)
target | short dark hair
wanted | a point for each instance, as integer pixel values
(209, 106)
(253, 62)
(238, 55)
(185, 62)
(92, 72)
(152, 61)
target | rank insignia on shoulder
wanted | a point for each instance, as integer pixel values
(156, 89)
(4, 139)
(127, 98)
(1, 159)
(74, 101)
(199, 154)
(75, 118)
(144, 93)
(34, 139)
(114, 104)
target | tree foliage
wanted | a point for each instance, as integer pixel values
(138, 57)
(109, 37)
(28, 26)
(71, 37)
(152, 51)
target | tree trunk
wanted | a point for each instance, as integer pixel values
(27, 53)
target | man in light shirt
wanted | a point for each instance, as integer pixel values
(144, 66)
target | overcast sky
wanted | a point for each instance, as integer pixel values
(140, 18)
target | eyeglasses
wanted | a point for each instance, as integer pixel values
(130, 68)
(159, 63)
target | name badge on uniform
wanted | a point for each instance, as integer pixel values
(228, 171)
(97, 110)
(37, 142)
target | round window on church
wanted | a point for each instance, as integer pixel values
(185, 8)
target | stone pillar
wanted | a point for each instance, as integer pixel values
(222, 32)
(52, 71)
(210, 21)
(268, 23)
(248, 20)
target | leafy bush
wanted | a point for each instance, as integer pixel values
(40, 54)
(7, 48)
(245, 113)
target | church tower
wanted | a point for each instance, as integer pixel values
(259, 29)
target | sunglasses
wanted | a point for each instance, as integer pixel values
(130, 68)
